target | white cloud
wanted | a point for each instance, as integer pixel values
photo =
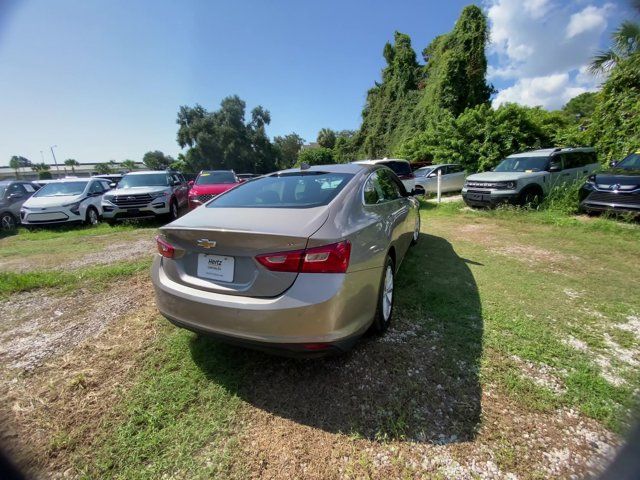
(543, 46)
(591, 19)
(551, 91)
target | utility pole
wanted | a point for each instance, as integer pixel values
(54, 159)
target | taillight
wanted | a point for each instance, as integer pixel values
(165, 248)
(332, 258)
(282, 261)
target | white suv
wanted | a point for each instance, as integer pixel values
(146, 194)
(525, 178)
(402, 168)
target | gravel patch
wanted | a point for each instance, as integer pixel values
(115, 253)
(38, 325)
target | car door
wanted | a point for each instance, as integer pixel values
(456, 178)
(16, 195)
(571, 164)
(96, 191)
(557, 176)
(181, 189)
(399, 208)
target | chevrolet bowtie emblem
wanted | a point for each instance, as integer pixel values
(206, 243)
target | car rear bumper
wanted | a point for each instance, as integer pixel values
(318, 314)
(489, 198)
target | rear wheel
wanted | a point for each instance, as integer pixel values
(92, 216)
(385, 298)
(7, 222)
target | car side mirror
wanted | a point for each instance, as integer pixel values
(432, 175)
(15, 196)
(190, 183)
(555, 168)
(112, 185)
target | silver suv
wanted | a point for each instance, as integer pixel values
(146, 194)
(525, 178)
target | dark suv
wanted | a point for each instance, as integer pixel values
(13, 193)
(616, 189)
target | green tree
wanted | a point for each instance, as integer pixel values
(16, 162)
(157, 160)
(326, 138)
(128, 165)
(625, 44)
(615, 125)
(224, 140)
(287, 148)
(103, 168)
(315, 156)
(582, 106)
(453, 78)
(42, 169)
(70, 162)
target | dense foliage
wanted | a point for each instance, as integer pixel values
(224, 140)
(287, 148)
(316, 156)
(156, 160)
(615, 125)
(411, 95)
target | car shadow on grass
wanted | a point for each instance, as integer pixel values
(418, 382)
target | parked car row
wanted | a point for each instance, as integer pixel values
(112, 198)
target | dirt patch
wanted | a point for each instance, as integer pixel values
(99, 254)
(116, 253)
(49, 411)
(43, 325)
(402, 406)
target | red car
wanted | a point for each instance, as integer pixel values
(210, 184)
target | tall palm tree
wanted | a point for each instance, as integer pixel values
(15, 164)
(626, 42)
(70, 162)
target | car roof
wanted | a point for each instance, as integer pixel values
(145, 172)
(380, 160)
(438, 165)
(334, 168)
(545, 152)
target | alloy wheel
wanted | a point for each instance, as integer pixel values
(8, 222)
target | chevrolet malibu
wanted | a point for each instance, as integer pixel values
(299, 261)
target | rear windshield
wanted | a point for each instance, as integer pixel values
(399, 168)
(61, 189)
(523, 164)
(213, 178)
(144, 180)
(287, 190)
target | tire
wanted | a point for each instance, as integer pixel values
(416, 230)
(530, 196)
(384, 310)
(92, 217)
(7, 222)
(174, 212)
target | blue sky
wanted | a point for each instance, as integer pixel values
(103, 80)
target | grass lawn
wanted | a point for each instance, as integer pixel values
(516, 340)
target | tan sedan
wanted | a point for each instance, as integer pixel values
(300, 261)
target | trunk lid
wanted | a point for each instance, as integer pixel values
(220, 246)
